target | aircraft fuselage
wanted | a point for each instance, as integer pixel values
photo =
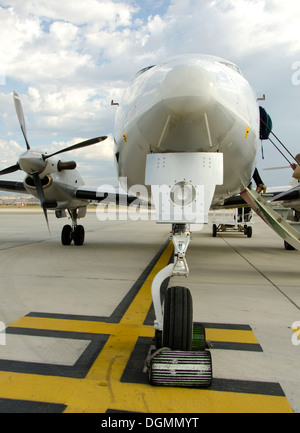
(189, 104)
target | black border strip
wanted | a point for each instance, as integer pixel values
(247, 387)
(224, 345)
(77, 371)
(8, 405)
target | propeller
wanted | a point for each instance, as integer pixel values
(40, 192)
(77, 146)
(20, 114)
(33, 163)
(11, 169)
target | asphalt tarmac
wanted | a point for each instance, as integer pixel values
(78, 322)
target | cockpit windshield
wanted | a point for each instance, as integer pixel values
(232, 66)
(142, 71)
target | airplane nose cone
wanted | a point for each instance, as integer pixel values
(186, 113)
(187, 89)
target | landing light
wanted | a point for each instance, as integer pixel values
(183, 193)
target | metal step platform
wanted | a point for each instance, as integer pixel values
(285, 230)
(181, 369)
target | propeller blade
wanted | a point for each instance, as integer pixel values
(11, 169)
(40, 192)
(20, 114)
(77, 146)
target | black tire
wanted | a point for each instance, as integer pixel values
(178, 319)
(79, 235)
(249, 232)
(158, 339)
(66, 235)
(214, 232)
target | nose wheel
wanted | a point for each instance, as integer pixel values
(178, 319)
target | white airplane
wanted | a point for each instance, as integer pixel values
(190, 105)
(51, 180)
(188, 129)
(196, 104)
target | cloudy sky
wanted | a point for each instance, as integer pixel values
(68, 59)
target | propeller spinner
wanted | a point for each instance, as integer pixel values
(34, 163)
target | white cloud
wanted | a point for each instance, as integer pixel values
(69, 59)
(65, 33)
(104, 13)
(265, 23)
(236, 25)
(9, 153)
(15, 33)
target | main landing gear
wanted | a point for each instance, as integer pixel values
(74, 233)
(180, 357)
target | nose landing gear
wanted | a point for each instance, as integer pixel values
(181, 358)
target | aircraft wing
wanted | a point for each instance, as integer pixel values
(291, 194)
(235, 201)
(94, 194)
(12, 186)
(84, 193)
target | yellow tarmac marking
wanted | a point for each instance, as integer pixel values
(101, 389)
(230, 336)
(84, 395)
(79, 326)
(213, 334)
